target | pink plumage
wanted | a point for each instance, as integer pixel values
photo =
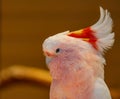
(76, 61)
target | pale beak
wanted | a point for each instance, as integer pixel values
(48, 54)
(48, 60)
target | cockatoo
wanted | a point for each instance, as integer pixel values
(76, 63)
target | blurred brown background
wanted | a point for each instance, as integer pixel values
(26, 23)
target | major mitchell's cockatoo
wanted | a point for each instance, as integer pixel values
(76, 63)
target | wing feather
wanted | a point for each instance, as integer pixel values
(101, 90)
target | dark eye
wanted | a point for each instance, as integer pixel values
(57, 50)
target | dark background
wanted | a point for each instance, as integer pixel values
(25, 25)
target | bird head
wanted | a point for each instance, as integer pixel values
(64, 51)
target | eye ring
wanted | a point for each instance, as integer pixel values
(57, 50)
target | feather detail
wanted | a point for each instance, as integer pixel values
(101, 90)
(85, 34)
(103, 30)
(100, 34)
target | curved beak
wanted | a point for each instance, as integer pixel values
(48, 60)
(48, 54)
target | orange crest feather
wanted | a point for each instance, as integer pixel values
(85, 34)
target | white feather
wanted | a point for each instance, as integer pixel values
(101, 90)
(103, 30)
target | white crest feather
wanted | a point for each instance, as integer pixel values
(103, 30)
